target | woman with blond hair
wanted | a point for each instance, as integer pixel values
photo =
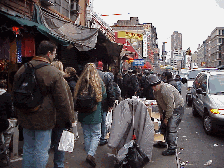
(59, 156)
(91, 121)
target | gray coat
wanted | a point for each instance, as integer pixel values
(122, 129)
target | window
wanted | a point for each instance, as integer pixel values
(220, 40)
(222, 32)
(204, 83)
(62, 6)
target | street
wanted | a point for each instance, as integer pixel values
(195, 147)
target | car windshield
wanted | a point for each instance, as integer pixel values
(192, 74)
(216, 84)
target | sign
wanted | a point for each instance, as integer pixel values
(138, 62)
(123, 34)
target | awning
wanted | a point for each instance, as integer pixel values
(60, 30)
(83, 38)
(41, 28)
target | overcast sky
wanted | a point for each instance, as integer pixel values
(195, 19)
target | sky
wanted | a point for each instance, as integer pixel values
(195, 19)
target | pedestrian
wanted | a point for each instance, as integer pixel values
(107, 104)
(71, 77)
(169, 79)
(54, 111)
(147, 90)
(6, 112)
(126, 77)
(171, 109)
(91, 121)
(179, 83)
(119, 80)
(133, 85)
(59, 156)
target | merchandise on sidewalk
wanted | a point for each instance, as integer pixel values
(130, 119)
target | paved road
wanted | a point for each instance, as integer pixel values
(195, 147)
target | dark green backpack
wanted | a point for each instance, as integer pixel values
(26, 92)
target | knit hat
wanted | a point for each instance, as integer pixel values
(153, 80)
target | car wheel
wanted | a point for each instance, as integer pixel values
(207, 124)
(194, 111)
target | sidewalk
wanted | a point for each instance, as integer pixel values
(77, 158)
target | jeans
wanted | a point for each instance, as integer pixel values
(103, 128)
(59, 156)
(35, 148)
(91, 134)
(171, 128)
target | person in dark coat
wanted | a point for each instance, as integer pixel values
(126, 77)
(169, 79)
(108, 103)
(71, 77)
(6, 127)
(133, 85)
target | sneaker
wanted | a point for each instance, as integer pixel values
(103, 143)
(169, 152)
(91, 160)
(160, 145)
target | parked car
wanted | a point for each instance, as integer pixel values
(190, 79)
(208, 100)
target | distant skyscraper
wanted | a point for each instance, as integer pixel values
(176, 43)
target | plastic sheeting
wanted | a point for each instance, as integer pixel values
(122, 130)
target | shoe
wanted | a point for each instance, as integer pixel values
(103, 143)
(169, 152)
(91, 160)
(160, 145)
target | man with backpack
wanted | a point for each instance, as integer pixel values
(53, 107)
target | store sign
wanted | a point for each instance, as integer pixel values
(138, 62)
(123, 34)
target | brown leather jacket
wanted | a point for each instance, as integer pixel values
(57, 107)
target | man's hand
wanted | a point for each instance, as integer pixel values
(165, 121)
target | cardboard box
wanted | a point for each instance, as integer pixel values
(159, 137)
(156, 125)
(150, 111)
(155, 115)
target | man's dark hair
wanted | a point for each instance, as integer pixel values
(45, 47)
(134, 72)
(168, 75)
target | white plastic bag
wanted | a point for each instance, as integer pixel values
(124, 150)
(66, 142)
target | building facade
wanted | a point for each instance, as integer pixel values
(143, 38)
(176, 44)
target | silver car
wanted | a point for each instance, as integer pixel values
(208, 100)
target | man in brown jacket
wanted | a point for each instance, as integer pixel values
(171, 108)
(55, 110)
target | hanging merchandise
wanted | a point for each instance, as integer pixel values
(19, 50)
(15, 30)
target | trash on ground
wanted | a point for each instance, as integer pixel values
(208, 163)
(216, 145)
